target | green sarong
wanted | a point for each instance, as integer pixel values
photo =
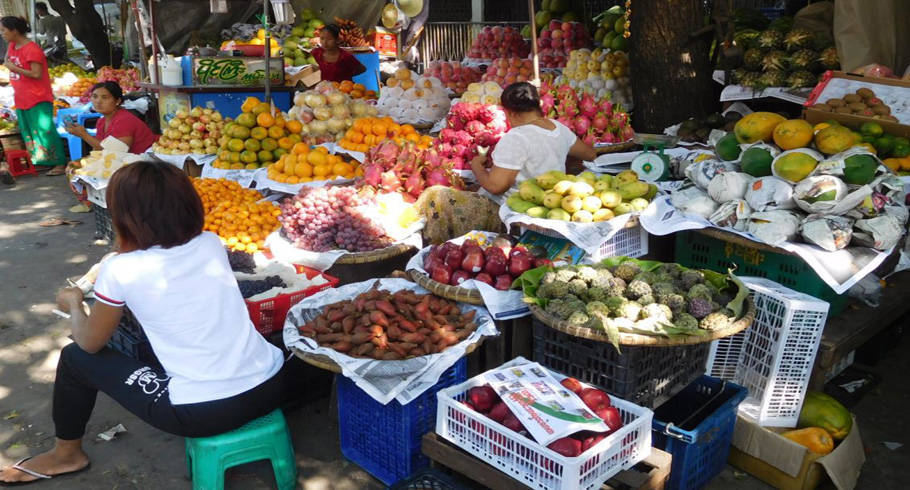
(40, 135)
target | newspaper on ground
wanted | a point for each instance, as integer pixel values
(384, 381)
(547, 409)
(502, 305)
(839, 269)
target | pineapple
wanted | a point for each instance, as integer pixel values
(804, 59)
(829, 59)
(797, 39)
(801, 79)
(770, 40)
(736, 76)
(773, 78)
(752, 59)
(750, 80)
(774, 60)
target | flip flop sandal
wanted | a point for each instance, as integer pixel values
(58, 222)
(38, 476)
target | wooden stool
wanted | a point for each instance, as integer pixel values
(20, 163)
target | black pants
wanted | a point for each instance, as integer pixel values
(144, 391)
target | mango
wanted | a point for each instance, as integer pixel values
(794, 167)
(601, 186)
(537, 212)
(529, 191)
(623, 208)
(552, 200)
(588, 177)
(571, 203)
(549, 179)
(758, 126)
(632, 190)
(581, 189)
(603, 214)
(605, 178)
(626, 176)
(559, 214)
(517, 204)
(591, 203)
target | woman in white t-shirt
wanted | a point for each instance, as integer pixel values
(218, 372)
(535, 144)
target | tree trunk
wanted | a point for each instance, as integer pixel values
(86, 25)
(671, 72)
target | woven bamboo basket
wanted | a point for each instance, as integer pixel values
(455, 293)
(325, 362)
(374, 255)
(628, 145)
(646, 340)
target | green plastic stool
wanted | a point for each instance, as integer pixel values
(267, 437)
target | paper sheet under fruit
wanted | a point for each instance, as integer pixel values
(587, 236)
(243, 177)
(382, 380)
(264, 182)
(180, 160)
(840, 269)
(502, 305)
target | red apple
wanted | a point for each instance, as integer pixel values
(482, 398)
(594, 398)
(566, 446)
(573, 385)
(610, 416)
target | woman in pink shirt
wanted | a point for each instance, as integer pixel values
(116, 121)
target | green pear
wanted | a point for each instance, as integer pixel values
(610, 199)
(591, 203)
(571, 203)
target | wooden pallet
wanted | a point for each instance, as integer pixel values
(650, 474)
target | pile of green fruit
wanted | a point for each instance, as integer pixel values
(549, 10)
(585, 198)
(303, 38)
(644, 297)
(611, 28)
(886, 145)
(782, 56)
(60, 70)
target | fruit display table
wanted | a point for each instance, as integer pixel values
(650, 474)
(226, 100)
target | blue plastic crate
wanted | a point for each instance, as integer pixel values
(696, 427)
(384, 440)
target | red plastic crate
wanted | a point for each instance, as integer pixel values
(268, 314)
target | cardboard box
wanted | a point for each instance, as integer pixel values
(850, 120)
(784, 464)
(385, 42)
(309, 76)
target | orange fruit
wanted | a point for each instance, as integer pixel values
(280, 121)
(252, 145)
(261, 108)
(266, 156)
(292, 180)
(301, 148)
(294, 126)
(249, 104)
(269, 144)
(265, 120)
(276, 132)
(323, 150)
(379, 129)
(235, 145)
(315, 158)
(303, 169)
(246, 119)
(259, 133)
(321, 170)
(342, 168)
(355, 136)
(285, 143)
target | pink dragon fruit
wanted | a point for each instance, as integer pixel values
(486, 139)
(390, 182)
(372, 175)
(448, 134)
(485, 115)
(589, 137)
(498, 126)
(600, 122)
(566, 93)
(626, 133)
(445, 149)
(570, 109)
(582, 124)
(438, 176)
(415, 184)
(547, 104)
(587, 106)
(462, 138)
(606, 106)
(474, 127)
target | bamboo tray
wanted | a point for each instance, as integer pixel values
(325, 362)
(374, 255)
(455, 293)
(628, 145)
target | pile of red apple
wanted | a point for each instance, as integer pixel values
(483, 399)
(497, 265)
(454, 76)
(557, 40)
(506, 71)
(498, 41)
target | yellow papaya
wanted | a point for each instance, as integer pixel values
(834, 139)
(792, 134)
(821, 410)
(758, 126)
(815, 439)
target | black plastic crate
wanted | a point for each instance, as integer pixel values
(104, 227)
(130, 325)
(125, 343)
(646, 376)
(428, 479)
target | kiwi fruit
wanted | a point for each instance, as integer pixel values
(843, 110)
(856, 106)
(866, 112)
(836, 103)
(851, 98)
(821, 107)
(865, 93)
(882, 110)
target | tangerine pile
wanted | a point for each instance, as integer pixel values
(367, 132)
(234, 214)
(256, 138)
(305, 165)
(355, 90)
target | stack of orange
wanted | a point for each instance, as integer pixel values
(367, 132)
(305, 165)
(256, 138)
(234, 214)
(355, 90)
(81, 86)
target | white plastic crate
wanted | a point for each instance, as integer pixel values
(535, 465)
(96, 196)
(627, 242)
(774, 357)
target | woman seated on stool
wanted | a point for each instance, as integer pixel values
(115, 121)
(218, 372)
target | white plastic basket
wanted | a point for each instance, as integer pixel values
(627, 242)
(535, 465)
(96, 196)
(773, 358)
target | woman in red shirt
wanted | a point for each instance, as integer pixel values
(115, 121)
(336, 65)
(33, 97)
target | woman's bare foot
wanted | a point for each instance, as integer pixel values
(65, 457)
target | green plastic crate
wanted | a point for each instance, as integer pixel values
(699, 250)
